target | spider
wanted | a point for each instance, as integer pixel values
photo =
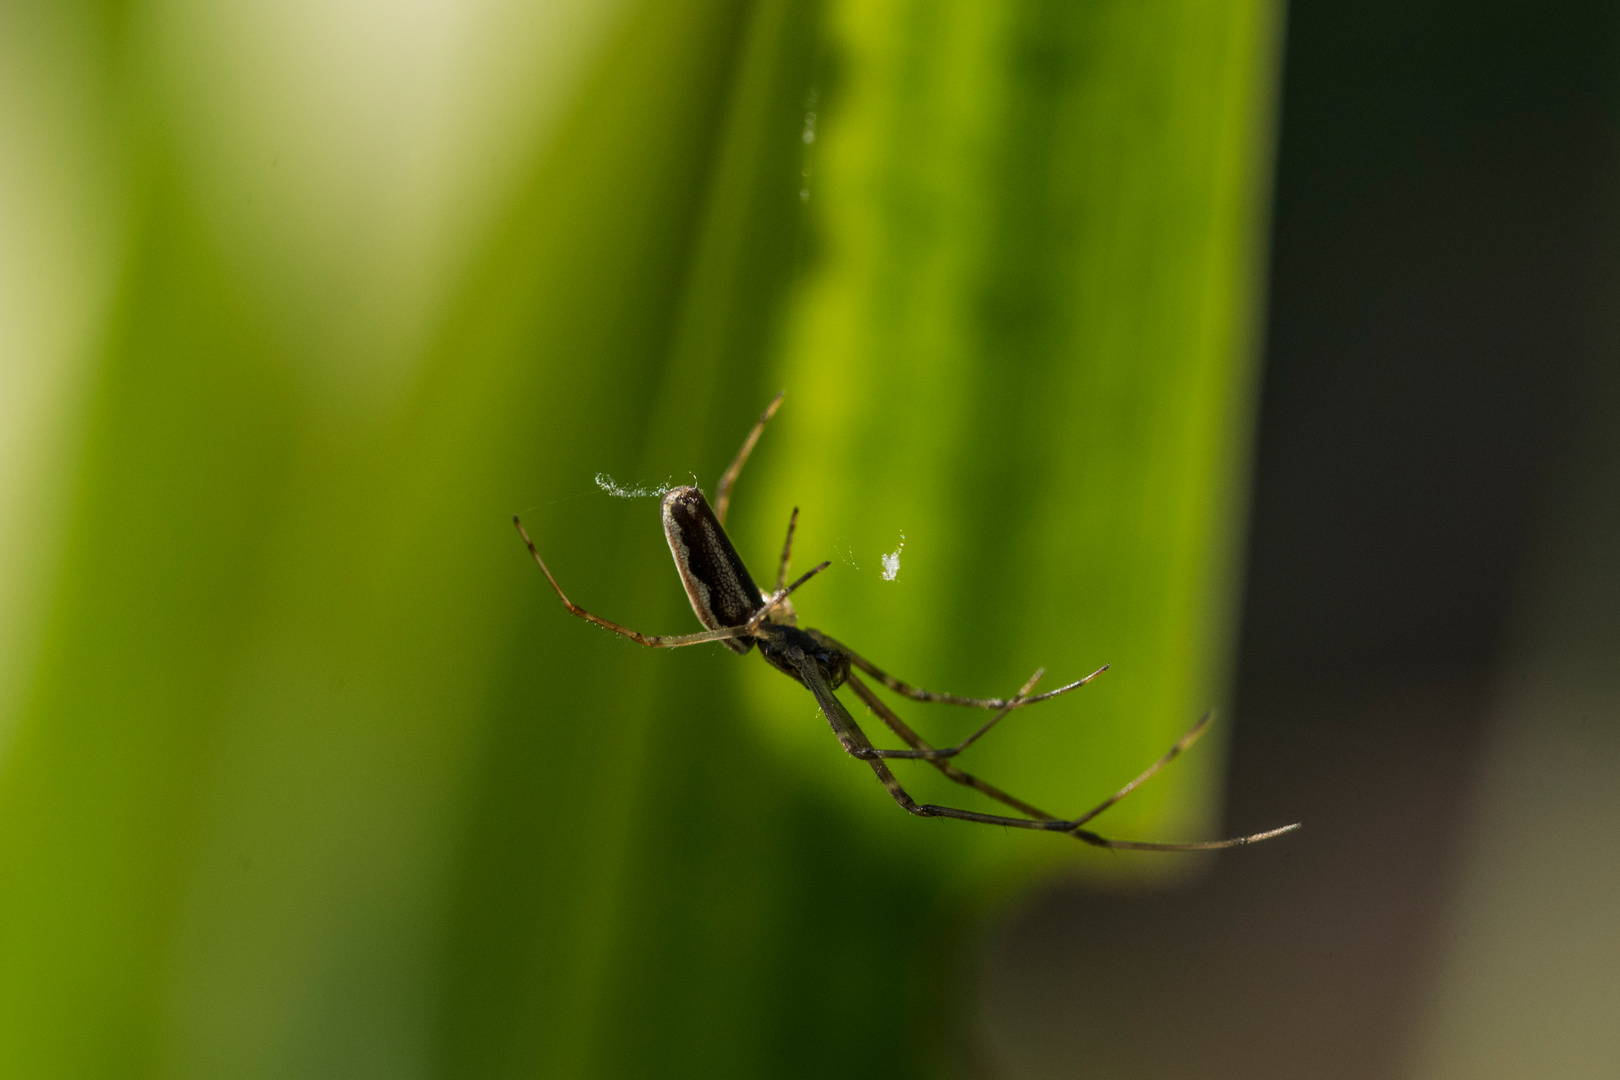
(739, 616)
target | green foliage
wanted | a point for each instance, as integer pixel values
(311, 776)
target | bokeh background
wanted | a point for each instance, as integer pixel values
(1266, 354)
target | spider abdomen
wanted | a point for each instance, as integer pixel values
(717, 583)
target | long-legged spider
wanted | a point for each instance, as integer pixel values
(739, 616)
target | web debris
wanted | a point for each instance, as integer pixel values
(640, 491)
(891, 562)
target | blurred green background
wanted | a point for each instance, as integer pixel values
(305, 773)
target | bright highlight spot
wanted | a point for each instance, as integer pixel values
(891, 561)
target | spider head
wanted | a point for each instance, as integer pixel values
(775, 643)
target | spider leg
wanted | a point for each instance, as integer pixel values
(787, 551)
(930, 754)
(722, 492)
(915, 741)
(1147, 774)
(854, 740)
(847, 731)
(668, 641)
(938, 697)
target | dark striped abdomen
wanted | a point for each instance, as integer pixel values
(718, 584)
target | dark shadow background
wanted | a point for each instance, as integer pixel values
(1441, 292)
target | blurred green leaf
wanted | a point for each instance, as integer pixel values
(311, 776)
